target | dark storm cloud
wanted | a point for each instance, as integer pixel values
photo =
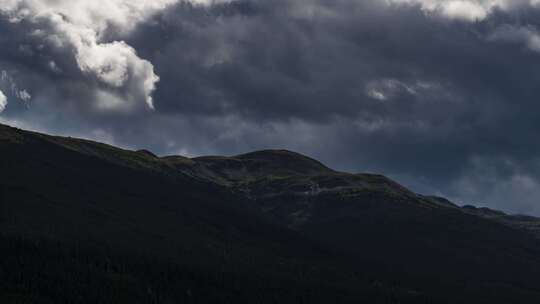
(443, 98)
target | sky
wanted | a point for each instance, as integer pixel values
(441, 95)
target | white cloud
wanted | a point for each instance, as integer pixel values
(466, 10)
(386, 89)
(527, 35)
(10, 86)
(96, 15)
(3, 102)
(78, 27)
(373, 93)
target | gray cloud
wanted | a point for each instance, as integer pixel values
(441, 95)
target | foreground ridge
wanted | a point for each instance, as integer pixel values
(82, 221)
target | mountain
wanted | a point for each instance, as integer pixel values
(85, 222)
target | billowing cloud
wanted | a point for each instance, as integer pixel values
(92, 34)
(83, 31)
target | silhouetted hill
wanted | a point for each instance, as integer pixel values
(85, 222)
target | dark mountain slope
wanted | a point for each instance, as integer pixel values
(523, 222)
(84, 222)
(373, 218)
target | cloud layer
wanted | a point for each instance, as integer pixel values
(441, 95)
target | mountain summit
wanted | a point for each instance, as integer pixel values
(85, 222)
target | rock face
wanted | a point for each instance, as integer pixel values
(83, 222)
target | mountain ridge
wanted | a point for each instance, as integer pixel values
(256, 219)
(305, 166)
(287, 159)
